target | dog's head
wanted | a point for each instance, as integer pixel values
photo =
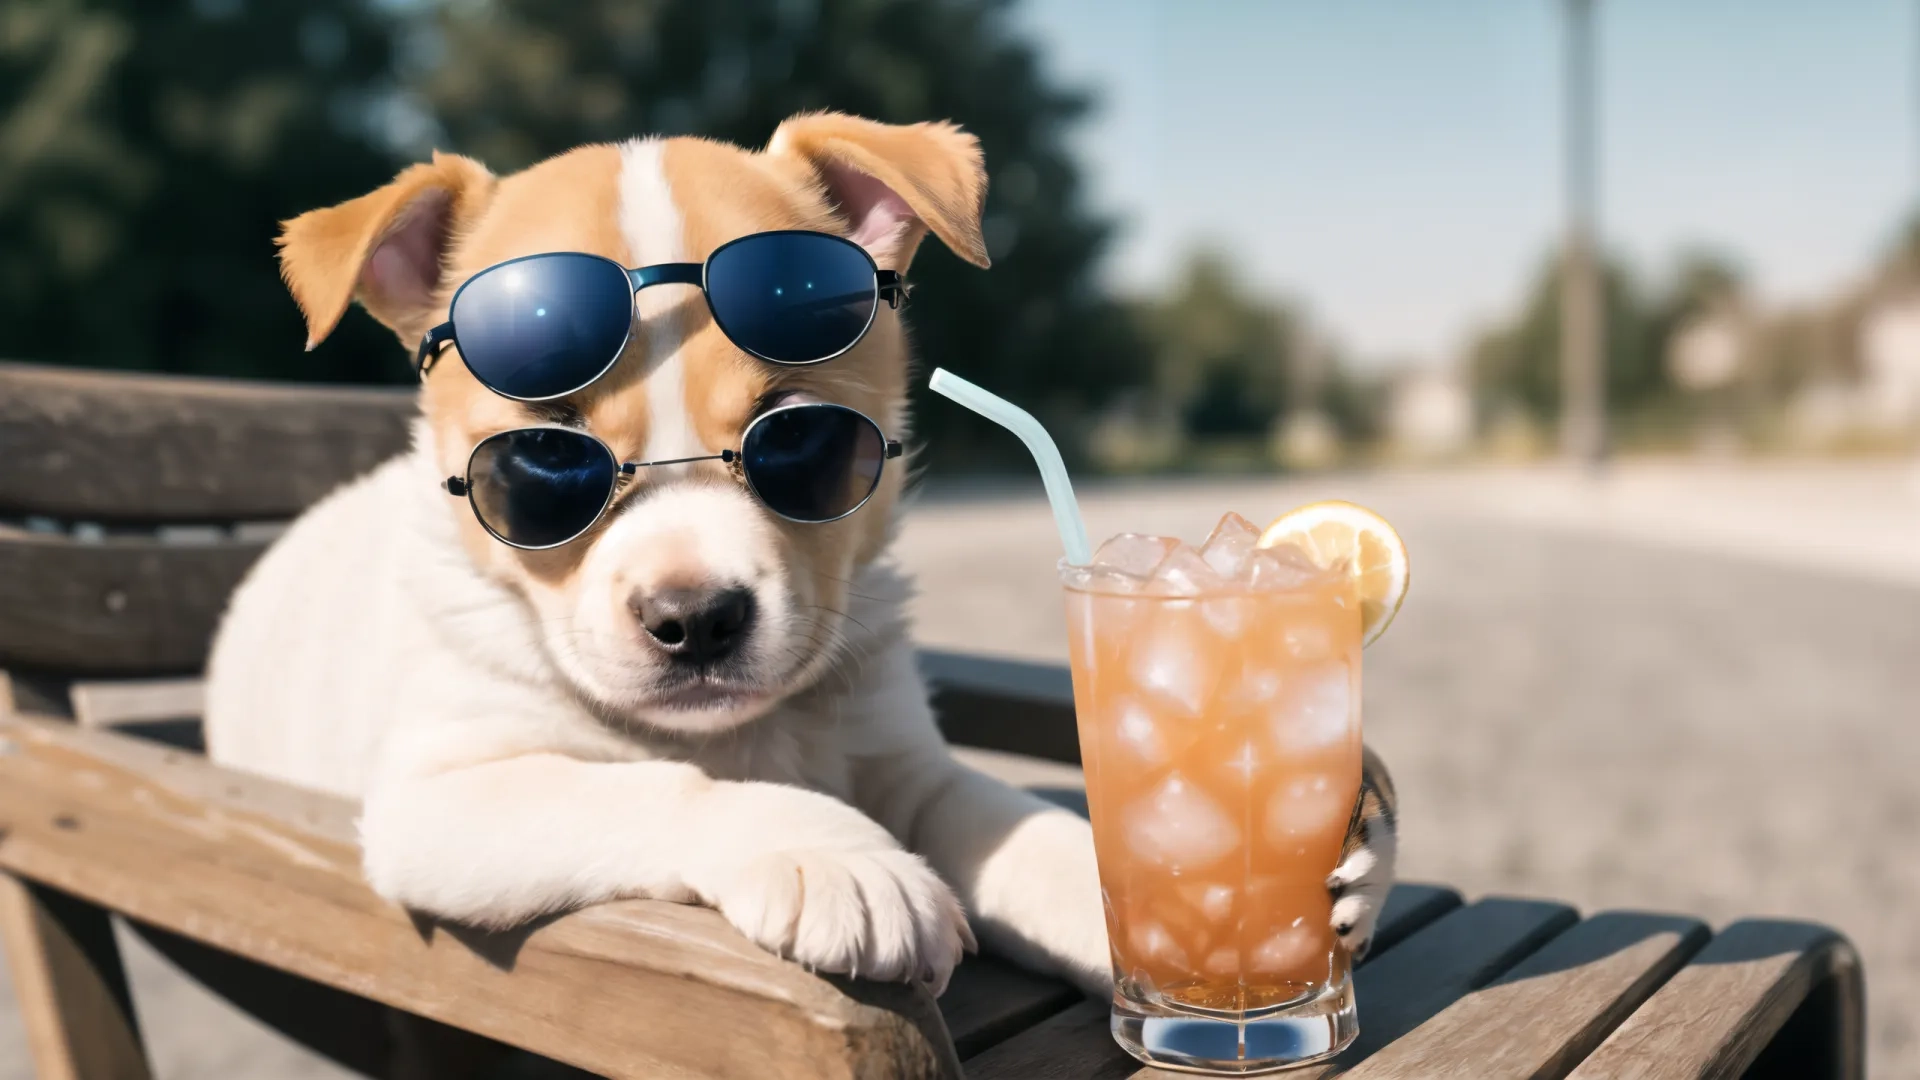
(689, 605)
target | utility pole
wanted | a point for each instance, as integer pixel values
(1583, 384)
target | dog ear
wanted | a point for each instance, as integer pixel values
(893, 182)
(384, 249)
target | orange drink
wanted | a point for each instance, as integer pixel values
(1218, 693)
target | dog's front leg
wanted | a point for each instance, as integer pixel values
(804, 875)
(1024, 868)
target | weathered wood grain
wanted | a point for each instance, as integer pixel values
(1436, 966)
(114, 447)
(1077, 1045)
(70, 986)
(111, 703)
(1716, 1016)
(1547, 1013)
(119, 606)
(271, 872)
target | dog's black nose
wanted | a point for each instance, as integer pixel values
(696, 625)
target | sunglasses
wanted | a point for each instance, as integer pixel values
(539, 487)
(544, 326)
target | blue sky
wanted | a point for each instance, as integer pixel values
(1396, 165)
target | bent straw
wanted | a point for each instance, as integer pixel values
(1053, 471)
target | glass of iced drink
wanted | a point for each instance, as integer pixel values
(1218, 692)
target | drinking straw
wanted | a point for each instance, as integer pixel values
(1053, 471)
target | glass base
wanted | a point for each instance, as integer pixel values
(1168, 1036)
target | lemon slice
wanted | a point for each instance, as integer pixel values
(1330, 532)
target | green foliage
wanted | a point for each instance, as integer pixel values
(535, 77)
(1229, 362)
(1222, 356)
(1518, 365)
(156, 143)
(147, 151)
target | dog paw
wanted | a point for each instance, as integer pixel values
(879, 914)
(1359, 887)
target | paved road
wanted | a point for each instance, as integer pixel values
(1568, 709)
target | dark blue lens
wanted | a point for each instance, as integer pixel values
(813, 462)
(543, 326)
(793, 298)
(538, 487)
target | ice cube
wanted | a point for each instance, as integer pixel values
(1307, 806)
(1244, 764)
(1308, 641)
(1101, 579)
(1315, 711)
(1288, 951)
(1138, 734)
(1134, 553)
(1222, 963)
(1179, 827)
(1185, 572)
(1226, 614)
(1211, 901)
(1216, 903)
(1152, 941)
(1174, 659)
(1229, 545)
(1252, 688)
(1282, 566)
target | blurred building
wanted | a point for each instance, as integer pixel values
(1429, 413)
(1706, 353)
(1890, 363)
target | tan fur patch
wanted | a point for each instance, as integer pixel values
(719, 192)
(566, 203)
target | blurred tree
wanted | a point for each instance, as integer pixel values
(1222, 357)
(534, 78)
(1518, 365)
(156, 143)
(147, 151)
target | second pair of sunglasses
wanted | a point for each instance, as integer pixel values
(540, 487)
(545, 326)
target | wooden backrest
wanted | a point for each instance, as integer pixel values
(131, 505)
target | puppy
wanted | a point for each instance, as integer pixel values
(520, 742)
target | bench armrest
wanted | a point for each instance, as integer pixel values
(271, 872)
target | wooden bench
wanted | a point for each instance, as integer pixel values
(129, 506)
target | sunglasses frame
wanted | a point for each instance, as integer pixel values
(888, 285)
(625, 470)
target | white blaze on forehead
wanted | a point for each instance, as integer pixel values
(651, 222)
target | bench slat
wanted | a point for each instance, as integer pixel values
(119, 606)
(113, 447)
(1007, 705)
(1715, 1017)
(1462, 950)
(989, 1000)
(272, 872)
(136, 701)
(1549, 1011)
(1076, 1044)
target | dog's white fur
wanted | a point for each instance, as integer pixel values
(510, 763)
(367, 657)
